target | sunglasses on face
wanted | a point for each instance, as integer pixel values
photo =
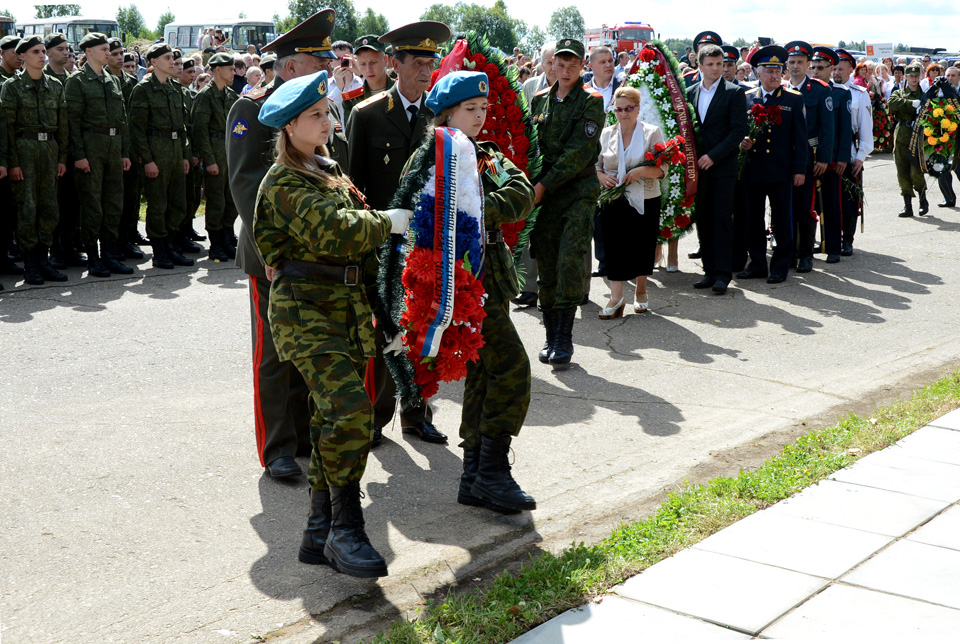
(628, 109)
(818, 67)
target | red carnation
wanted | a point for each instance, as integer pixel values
(679, 139)
(517, 128)
(508, 97)
(682, 221)
(660, 69)
(480, 60)
(521, 161)
(492, 99)
(649, 156)
(501, 84)
(514, 113)
(434, 77)
(659, 147)
(491, 70)
(647, 54)
(521, 144)
(666, 233)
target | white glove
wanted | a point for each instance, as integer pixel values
(395, 346)
(400, 219)
(916, 105)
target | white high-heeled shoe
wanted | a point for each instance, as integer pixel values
(641, 307)
(612, 312)
(673, 269)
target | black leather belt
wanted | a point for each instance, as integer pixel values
(350, 275)
(217, 135)
(494, 236)
(108, 131)
(36, 136)
(173, 135)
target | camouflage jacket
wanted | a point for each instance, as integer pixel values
(210, 111)
(297, 217)
(95, 102)
(34, 106)
(569, 133)
(156, 106)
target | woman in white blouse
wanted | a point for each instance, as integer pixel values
(631, 224)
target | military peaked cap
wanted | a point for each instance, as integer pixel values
(418, 39)
(825, 53)
(799, 48)
(707, 38)
(312, 36)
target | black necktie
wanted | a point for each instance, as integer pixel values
(766, 98)
(413, 116)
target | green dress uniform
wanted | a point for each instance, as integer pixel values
(36, 116)
(324, 326)
(909, 175)
(158, 131)
(99, 134)
(354, 98)
(208, 138)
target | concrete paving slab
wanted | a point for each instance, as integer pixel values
(948, 421)
(896, 471)
(802, 545)
(727, 591)
(943, 531)
(914, 570)
(932, 443)
(848, 614)
(622, 620)
(860, 507)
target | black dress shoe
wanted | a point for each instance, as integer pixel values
(705, 282)
(377, 436)
(695, 254)
(599, 273)
(805, 264)
(776, 279)
(585, 300)
(526, 299)
(833, 259)
(283, 468)
(947, 204)
(750, 275)
(426, 431)
(720, 287)
(846, 250)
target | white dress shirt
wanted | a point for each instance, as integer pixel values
(706, 97)
(861, 119)
(335, 94)
(606, 92)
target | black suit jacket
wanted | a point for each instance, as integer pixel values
(724, 127)
(380, 142)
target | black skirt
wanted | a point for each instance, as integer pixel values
(629, 238)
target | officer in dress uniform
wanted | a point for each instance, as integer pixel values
(831, 210)
(904, 105)
(280, 396)
(778, 161)
(371, 59)
(9, 66)
(820, 151)
(383, 131)
(861, 121)
(692, 76)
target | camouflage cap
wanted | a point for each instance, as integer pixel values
(912, 68)
(570, 46)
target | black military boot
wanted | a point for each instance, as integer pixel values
(128, 250)
(471, 463)
(49, 272)
(7, 265)
(550, 324)
(95, 265)
(31, 269)
(160, 257)
(907, 207)
(318, 525)
(174, 254)
(135, 238)
(924, 204)
(73, 257)
(192, 235)
(563, 350)
(216, 252)
(494, 484)
(228, 242)
(183, 244)
(348, 547)
(112, 254)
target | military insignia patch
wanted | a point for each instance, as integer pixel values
(386, 159)
(828, 102)
(322, 88)
(590, 128)
(239, 129)
(566, 43)
(482, 86)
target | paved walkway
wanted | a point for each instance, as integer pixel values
(872, 553)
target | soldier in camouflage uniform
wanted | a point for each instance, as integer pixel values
(158, 132)
(310, 226)
(36, 116)
(904, 105)
(210, 112)
(66, 237)
(100, 144)
(185, 72)
(9, 66)
(569, 117)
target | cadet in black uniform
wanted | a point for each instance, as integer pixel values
(693, 76)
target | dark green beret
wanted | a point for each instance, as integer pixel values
(267, 61)
(188, 63)
(115, 44)
(27, 44)
(221, 60)
(158, 50)
(54, 40)
(9, 42)
(129, 57)
(177, 54)
(369, 42)
(93, 39)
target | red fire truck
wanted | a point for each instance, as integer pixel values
(622, 36)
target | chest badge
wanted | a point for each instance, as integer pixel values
(386, 159)
(239, 129)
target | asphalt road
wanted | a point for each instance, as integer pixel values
(135, 510)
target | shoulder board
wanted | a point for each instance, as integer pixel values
(371, 100)
(690, 72)
(545, 90)
(260, 92)
(817, 80)
(792, 91)
(857, 87)
(352, 94)
(589, 89)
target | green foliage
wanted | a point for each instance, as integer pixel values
(347, 25)
(373, 23)
(284, 24)
(8, 13)
(53, 10)
(165, 19)
(131, 22)
(242, 15)
(566, 22)
(495, 23)
(532, 38)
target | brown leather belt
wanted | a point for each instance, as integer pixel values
(349, 275)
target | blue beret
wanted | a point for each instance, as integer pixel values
(293, 97)
(456, 87)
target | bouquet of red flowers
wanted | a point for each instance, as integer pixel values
(882, 126)
(761, 119)
(670, 151)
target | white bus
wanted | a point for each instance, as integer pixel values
(73, 27)
(240, 33)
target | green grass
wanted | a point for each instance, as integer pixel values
(549, 584)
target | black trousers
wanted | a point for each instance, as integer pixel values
(946, 186)
(804, 217)
(779, 194)
(850, 207)
(741, 218)
(715, 224)
(830, 189)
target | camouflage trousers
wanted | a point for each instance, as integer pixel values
(497, 392)
(36, 195)
(166, 193)
(101, 189)
(221, 212)
(341, 428)
(560, 239)
(909, 175)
